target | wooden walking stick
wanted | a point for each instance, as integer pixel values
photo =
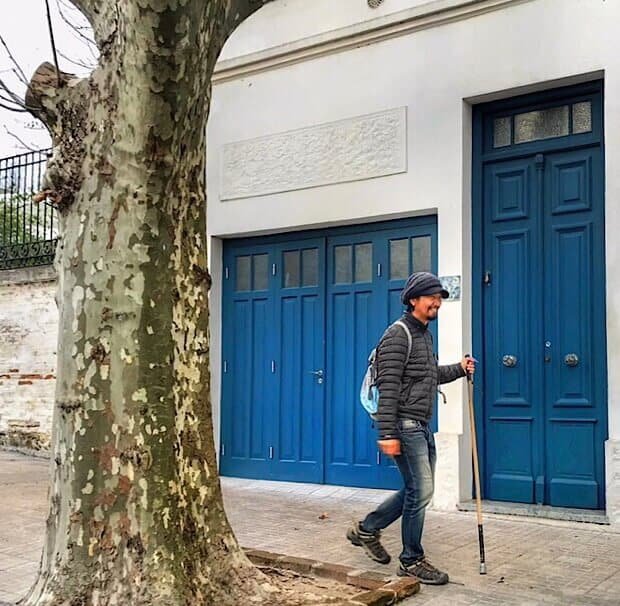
(474, 456)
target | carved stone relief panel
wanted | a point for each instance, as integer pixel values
(362, 147)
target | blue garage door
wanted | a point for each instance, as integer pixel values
(300, 314)
(543, 298)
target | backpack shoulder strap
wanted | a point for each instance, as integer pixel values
(409, 338)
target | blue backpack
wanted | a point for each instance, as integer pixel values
(369, 393)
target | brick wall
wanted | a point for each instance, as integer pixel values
(28, 337)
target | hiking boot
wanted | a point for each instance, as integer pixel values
(424, 571)
(369, 542)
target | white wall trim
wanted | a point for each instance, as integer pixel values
(430, 14)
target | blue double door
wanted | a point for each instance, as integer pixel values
(542, 297)
(300, 314)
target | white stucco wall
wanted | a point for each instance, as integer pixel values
(298, 19)
(436, 73)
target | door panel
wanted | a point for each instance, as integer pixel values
(259, 382)
(512, 381)
(240, 444)
(512, 330)
(298, 416)
(360, 306)
(571, 281)
(403, 256)
(248, 347)
(570, 181)
(353, 324)
(512, 474)
(575, 371)
(572, 463)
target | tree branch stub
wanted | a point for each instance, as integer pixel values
(60, 101)
(43, 93)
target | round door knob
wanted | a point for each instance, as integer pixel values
(509, 361)
(571, 359)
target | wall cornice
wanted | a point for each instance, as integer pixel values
(431, 14)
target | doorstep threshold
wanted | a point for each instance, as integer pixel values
(591, 516)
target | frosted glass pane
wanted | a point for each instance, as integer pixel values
(399, 259)
(421, 253)
(501, 132)
(582, 117)
(542, 124)
(363, 263)
(243, 273)
(261, 272)
(310, 267)
(291, 269)
(343, 260)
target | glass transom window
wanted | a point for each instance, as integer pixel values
(541, 124)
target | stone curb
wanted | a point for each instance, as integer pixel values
(22, 450)
(380, 590)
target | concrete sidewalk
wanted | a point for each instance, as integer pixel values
(529, 561)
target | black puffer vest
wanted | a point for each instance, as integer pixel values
(408, 387)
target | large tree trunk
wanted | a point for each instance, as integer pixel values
(136, 514)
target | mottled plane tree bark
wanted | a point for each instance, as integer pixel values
(136, 514)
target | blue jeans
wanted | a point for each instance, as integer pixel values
(416, 464)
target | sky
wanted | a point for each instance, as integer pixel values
(23, 26)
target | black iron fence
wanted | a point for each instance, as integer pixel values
(28, 230)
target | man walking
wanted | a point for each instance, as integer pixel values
(407, 392)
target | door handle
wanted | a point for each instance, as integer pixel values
(318, 374)
(571, 359)
(509, 361)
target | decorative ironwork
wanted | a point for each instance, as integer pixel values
(28, 231)
(374, 3)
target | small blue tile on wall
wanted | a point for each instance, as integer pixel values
(453, 285)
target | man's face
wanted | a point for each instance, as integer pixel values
(426, 307)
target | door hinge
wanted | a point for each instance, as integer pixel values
(271, 452)
(225, 366)
(226, 273)
(487, 278)
(223, 449)
(273, 366)
(378, 458)
(274, 269)
(378, 270)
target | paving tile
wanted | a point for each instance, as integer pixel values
(530, 561)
